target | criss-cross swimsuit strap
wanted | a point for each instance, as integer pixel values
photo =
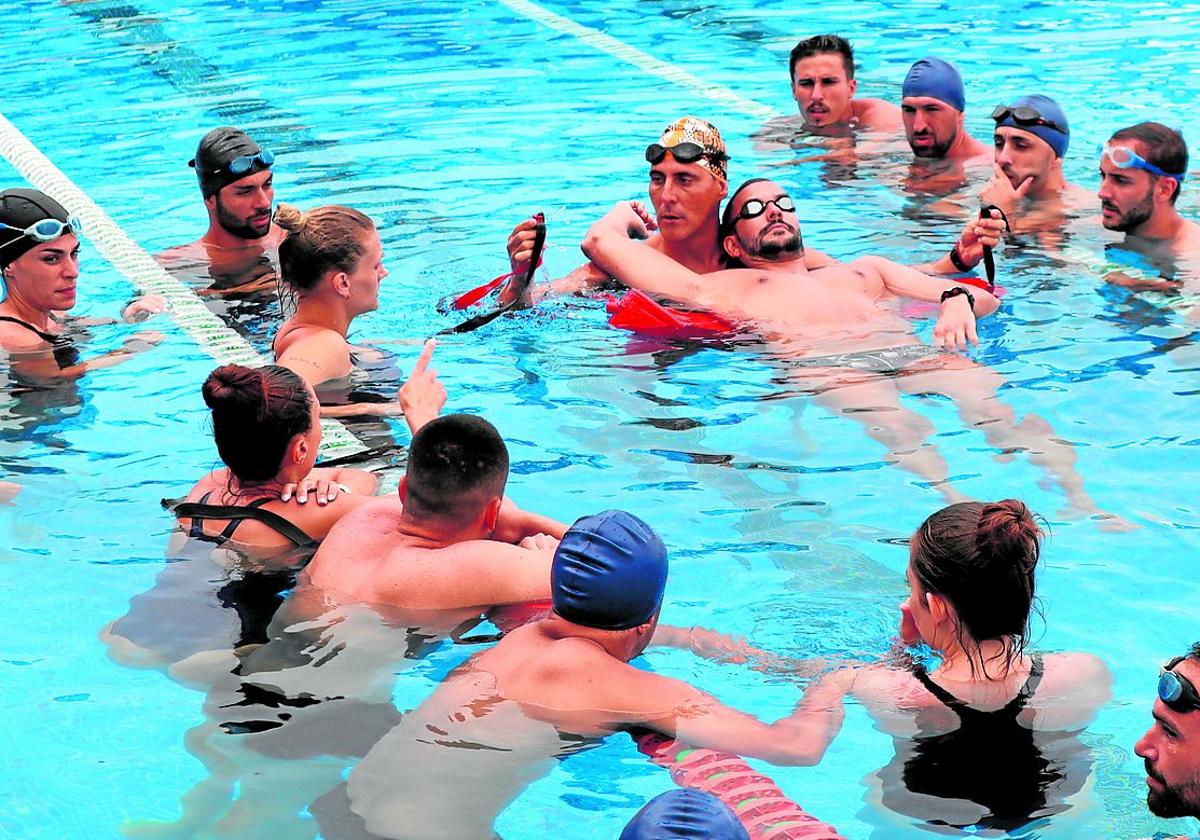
(201, 510)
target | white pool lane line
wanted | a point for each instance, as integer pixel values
(132, 260)
(619, 49)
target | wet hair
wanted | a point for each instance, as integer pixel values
(980, 556)
(457, 463)
(323, 239)
(1194, 653)
(255, 414)
(823, 44)
(1164, 147)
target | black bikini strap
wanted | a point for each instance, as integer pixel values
(947, 699)
(44, 336)
(237, 514)
(227, 534)
(1031, 682)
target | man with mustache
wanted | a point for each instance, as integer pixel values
(932, 106)
(1171, 747)
(823, 84)
(239, 252)
(841, 334)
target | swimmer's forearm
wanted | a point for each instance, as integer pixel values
(905, 281)
(514, 524)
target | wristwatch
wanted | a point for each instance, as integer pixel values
(955, 292)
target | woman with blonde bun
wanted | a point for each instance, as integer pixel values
(987, 740)
(332, 260)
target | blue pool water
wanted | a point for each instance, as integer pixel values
(448, 124)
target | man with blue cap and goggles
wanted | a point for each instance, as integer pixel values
(239, 251)
(932, 108)
(552, 688)
(1142, 169)
(1031, 139)
(1171, 747)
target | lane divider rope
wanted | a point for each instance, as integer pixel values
(131, 259)
(606, 43)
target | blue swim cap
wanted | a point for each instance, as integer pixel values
(931, 76)
(609, 572)
(684, 812)
(1048, 110)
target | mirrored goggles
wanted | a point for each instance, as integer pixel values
(683, 152)
(1176, 690)
(244, 163)
(754, 207)
(1024, 115)
(47, 229)
(1124, 157)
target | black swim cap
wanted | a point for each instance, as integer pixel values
(609, 572)
(20, 209)
(216, 150)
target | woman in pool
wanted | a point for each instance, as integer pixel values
(39, 265)
(988, 738)
(332, 260)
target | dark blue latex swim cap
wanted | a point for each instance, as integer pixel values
(1049, 110)
(931, 76)
(609, 572)
(684, 812)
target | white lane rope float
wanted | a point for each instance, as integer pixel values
(131, 259)
(619, 49)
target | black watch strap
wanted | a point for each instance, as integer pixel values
(955, 292)
(956, 258)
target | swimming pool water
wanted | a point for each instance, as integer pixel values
(447, 125)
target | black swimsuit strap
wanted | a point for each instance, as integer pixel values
(44, 336)
(1015, 705)
(200, 510)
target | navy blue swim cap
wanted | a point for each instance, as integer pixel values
(19, 209)
(1048, 110)
(609, 572)
(931, 76)
(685, 812)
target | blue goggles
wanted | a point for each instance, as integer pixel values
(1124, 157)
(47, 229)
(1177, 691)
(244, 163)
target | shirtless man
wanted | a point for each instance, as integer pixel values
(1171, 747)
(823, 84)
(688, 181)
(450, 540)
(1031, 139)
(932, 109)
(547, 690)
(1141, 174)
(239, 252)
(839, 320)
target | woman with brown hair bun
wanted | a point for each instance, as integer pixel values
(267, 428)
(332, 260)
(988, 739)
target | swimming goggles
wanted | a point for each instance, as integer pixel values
(684, 152)
(1176, 690)
(754, 208)
(1124, 157)
(245, 163)
(47, 229)
(1025, 115)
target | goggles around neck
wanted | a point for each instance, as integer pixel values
(1176, 690)
(244, 163)
(47, 229)
(1025, 115)
(754, 207)
(684, 152)
(1124, 157)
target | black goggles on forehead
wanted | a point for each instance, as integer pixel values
(684, 152)
(754, 207)
(1024, 115)
(1177, 690)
